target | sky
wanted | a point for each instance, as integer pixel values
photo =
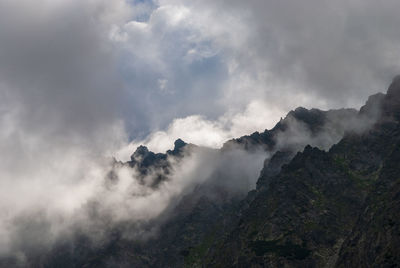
(204, 70)
(84, 80)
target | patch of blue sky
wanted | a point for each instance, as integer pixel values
(142, 9)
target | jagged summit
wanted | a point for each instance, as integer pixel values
(373, 105)
(141, 152)
(391, 104)
(312, 121)
(178, 147)
(394, 88)
(178, 144)
(147, 161)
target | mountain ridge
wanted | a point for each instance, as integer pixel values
(324, 189)
(328, 181)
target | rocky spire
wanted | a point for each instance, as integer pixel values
(140, 153)
(391, 105)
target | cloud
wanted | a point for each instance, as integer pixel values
(79, 80)
(210, 58)
(337, 51)
(201, 131)
(59, 89)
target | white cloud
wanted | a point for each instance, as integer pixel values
(199, 130)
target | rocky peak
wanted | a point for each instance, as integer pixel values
(391, 104)
(178, 146)
(140, 153)
(272, 167)
(314, 119)
(394, 88)
(373, 105)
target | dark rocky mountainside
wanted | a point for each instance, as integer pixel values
(328, 195)
(326, 209)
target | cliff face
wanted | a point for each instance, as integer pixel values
(375, 238)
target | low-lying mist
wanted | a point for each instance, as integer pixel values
(75, 193)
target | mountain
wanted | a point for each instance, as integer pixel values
(333, 208)
(327, 195)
